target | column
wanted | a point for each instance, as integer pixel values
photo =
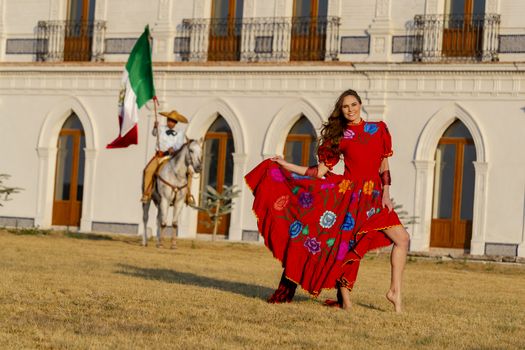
(420, 239)
(477, 244)
(380, 32)
(45, 181)
(521, 246)
(239, 169)
(163, 33)
(3, 37)
(87, 199)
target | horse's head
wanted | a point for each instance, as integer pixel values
(194, 155)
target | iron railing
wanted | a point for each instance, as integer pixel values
(456, 37)
(70, 41)
(259, 39)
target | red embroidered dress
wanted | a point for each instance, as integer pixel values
(321, 228)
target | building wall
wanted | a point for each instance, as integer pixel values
(366, 32)
(261, 102)
(253, 103)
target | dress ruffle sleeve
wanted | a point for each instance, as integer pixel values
(387, 141)
(327, 155)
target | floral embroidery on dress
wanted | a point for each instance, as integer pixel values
(368, 187)
(327, 186)
(277, 175)
(348, 223)
(371, 212)
(300, 177)
(344, 186)
(348, 134)
(313, 245)
(330, 242)
(371, 128)
(295, 228)
(306, 200)
(281, 202)
(305, 230)
(343, 249)
(375, 193)
(327, 220)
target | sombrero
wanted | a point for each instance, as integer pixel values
(174, 115)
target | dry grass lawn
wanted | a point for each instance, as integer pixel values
(66, 292)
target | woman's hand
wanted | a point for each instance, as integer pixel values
(279, 160)
(386, 201)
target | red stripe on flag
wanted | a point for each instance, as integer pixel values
(131, 138)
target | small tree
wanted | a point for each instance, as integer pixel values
(216, 205)
(403, 215)
(5, 191)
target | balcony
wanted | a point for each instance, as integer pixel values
(61, 41)
(278, 39)
(441, 38)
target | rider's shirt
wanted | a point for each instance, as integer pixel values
(170, 138)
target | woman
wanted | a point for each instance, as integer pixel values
(320, 224)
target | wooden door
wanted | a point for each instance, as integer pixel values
(225, 30)
(308, 41)
(453, 193)
(217, 170)
(78, 31)
(463, 30)
(300, 144)
(69, 175)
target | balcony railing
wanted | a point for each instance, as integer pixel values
(456, 38)
(70, 41)
(259, 39)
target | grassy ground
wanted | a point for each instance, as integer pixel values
(59, 291)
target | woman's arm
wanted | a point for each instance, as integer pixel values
(386, 201)
(322, 169)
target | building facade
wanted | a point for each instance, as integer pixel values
(258, 78)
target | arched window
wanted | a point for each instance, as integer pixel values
(300, 143)
(453, 200)
(217, 168)
(69, 175)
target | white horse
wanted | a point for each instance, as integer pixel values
(173, 180)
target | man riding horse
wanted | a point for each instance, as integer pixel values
(167, 177)
(169, 142)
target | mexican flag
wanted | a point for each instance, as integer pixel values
(136, 89)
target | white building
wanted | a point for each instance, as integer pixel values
(448, 76)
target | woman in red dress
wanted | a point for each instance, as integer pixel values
(320, 224)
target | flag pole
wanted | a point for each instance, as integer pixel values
(155, 101)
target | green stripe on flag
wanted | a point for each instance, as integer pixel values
(140, 69)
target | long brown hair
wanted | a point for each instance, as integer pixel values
(332, 131)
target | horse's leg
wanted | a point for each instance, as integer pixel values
(159, 226)
(145, 217)
(162, 218)
(177, 208)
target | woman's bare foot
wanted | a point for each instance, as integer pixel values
(346, 306)
(395, 299)
(343, 296)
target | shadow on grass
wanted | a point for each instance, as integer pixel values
(30, 231)
(172, 276)
(370, 306)
(90, 236)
